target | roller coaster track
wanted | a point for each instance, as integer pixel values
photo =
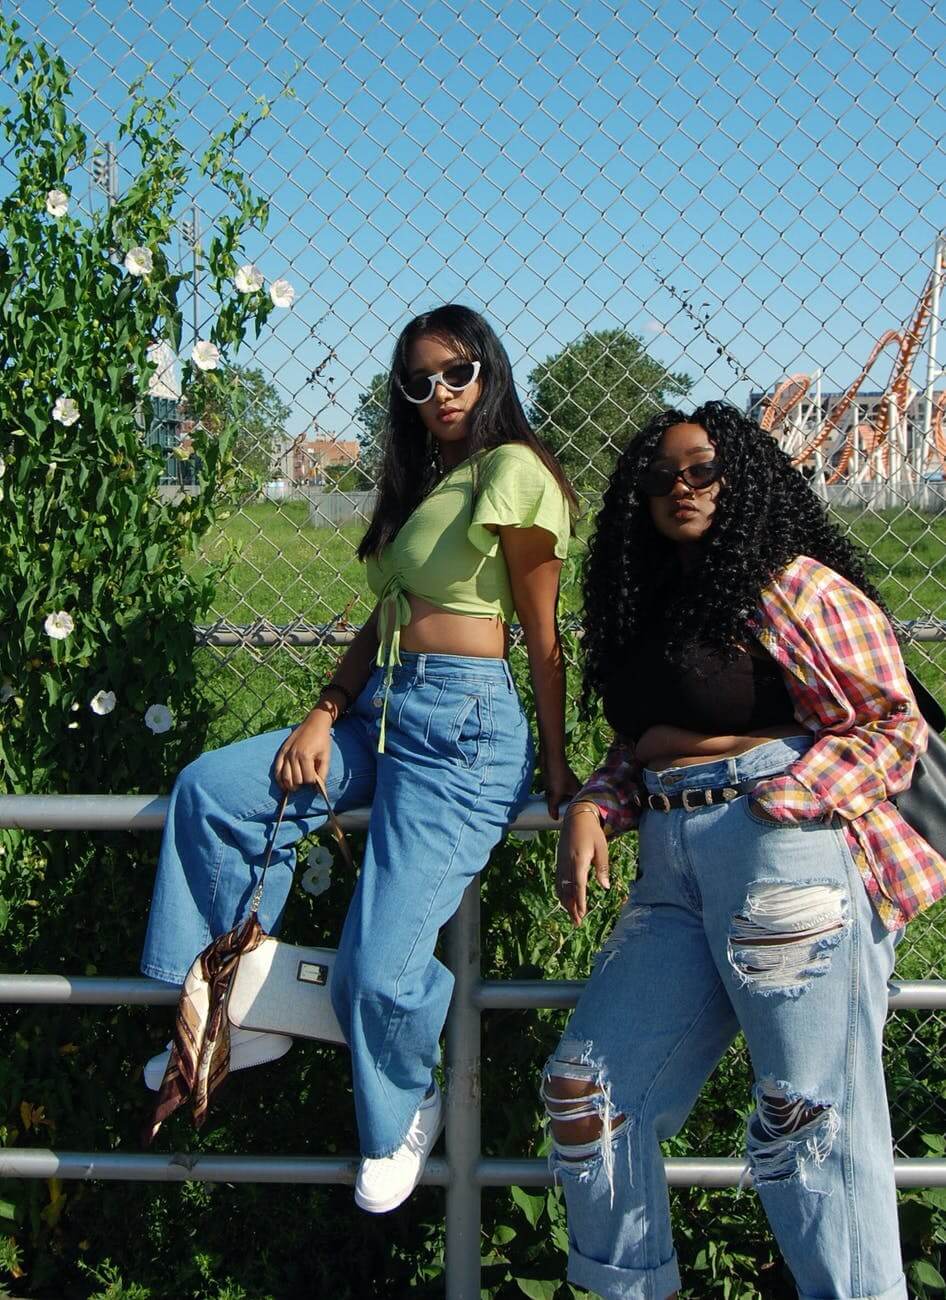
(873, 437)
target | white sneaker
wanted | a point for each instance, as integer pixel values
(247, 1047)
(383, 1184)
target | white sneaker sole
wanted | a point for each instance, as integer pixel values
(392, 1202)
(249, 1049)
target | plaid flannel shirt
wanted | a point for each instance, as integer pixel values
(847, 682)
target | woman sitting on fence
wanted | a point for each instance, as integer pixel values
(421, 720)
(763, 720)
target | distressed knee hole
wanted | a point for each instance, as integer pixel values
(576, 1110)
(789, 1135)
(786, 934)
(585, 1128)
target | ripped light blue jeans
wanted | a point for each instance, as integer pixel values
(735, 923)
(456, 769)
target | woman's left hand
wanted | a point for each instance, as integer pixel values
(561, 784)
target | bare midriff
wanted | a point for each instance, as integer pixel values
(433, 630)
(664, 746)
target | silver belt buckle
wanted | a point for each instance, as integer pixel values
(688, 807)
(659, 802)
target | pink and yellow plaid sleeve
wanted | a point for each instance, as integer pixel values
(613, 788)
(854, 695)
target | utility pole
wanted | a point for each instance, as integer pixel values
(190, 228)
(105, 173)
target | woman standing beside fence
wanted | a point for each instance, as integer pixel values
(421, 720)
(763, 721)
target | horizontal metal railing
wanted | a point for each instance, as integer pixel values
(464, 1171)
(264, 635)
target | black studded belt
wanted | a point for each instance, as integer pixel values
(691, 800)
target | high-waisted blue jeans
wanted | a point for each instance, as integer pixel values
(735, 923)
(456, 769)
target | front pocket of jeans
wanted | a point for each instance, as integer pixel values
(467, 731)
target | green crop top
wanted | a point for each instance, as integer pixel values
(446, 554)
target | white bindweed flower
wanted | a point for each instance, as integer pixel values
(282, 293)
(57, 203)
(158, 719)
(3, 467)
(6, 691)
(205, 355)
(66, 410)
(59, 625)
(318, 876)
(72, 726)
(248, 279)
(139, 262)
(102, 702)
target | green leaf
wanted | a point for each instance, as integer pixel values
(537, 1289)
(531, 1206)
(927, 1275)
(7, 1210)
(503, 1235)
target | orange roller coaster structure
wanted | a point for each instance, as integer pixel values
(877, 447)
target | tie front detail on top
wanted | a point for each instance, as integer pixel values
(448, 552)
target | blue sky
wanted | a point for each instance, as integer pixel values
(552, 163)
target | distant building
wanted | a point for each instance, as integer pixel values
(310, 458)
(167, 428)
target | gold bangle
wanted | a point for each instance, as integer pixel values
(585, 805)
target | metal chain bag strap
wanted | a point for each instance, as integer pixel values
(286, 988)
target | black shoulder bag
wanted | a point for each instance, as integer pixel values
(923, 805)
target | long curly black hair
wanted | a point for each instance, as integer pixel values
(766, 515)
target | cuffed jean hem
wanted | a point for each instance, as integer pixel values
(164, 976)
(896, 1292)
(615, 1283)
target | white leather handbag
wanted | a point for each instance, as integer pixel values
(285, 988)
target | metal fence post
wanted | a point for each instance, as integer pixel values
(463, 1102)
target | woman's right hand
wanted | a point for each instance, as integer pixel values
(580, 844)
(306, 752)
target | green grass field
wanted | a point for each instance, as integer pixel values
(281, 569)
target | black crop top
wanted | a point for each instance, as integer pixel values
(705, 695)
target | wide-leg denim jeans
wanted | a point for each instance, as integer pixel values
(456, 769)
(736, 923)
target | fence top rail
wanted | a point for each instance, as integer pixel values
(261, 634)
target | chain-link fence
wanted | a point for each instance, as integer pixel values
(651, 203)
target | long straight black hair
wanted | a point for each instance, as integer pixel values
(411, 464)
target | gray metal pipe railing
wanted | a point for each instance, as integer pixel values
(147, 812)
(465, 1171)
(179, 1167)
(484, 995)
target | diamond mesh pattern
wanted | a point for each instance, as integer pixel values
(744, 197)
